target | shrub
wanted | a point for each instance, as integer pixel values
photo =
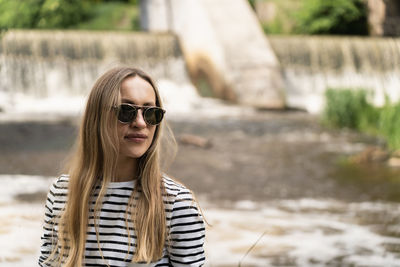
(62, 14)
(112, 15)
(42, 13)
(68, 14)
(348, 17)
(19, 14)
(349, 108)
(389, 124)
(283, 20)
(274, 27)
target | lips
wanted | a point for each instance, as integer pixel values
(136, 137)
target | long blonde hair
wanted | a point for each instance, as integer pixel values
(95, 161)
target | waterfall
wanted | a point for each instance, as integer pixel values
(64, 64)
(42, 71)
(43, 63)
(61, 65)
(312, 64)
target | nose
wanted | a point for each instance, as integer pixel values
(139, 120)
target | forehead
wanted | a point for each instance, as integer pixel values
(137, 91)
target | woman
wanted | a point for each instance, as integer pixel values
(116, 208)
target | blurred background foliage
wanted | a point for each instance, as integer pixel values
(291, 16)
(69, 14)
(283, 20)
(349, 108)
(344, 17)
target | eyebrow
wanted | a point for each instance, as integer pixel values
(124, 100)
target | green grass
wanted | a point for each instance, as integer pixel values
(389, 124)
(350, 108)
(112, 16)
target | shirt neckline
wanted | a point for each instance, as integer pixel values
(121, 184)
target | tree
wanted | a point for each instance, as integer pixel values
(42, 13)
(347, 17)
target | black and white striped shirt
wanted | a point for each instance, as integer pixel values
(185, 226)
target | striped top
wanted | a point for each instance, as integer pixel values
(185, 226)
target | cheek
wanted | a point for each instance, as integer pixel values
(152, 136)
(121, 133)
(152, 132)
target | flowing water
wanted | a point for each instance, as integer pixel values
(273, 185)
(312, 64)
(268, 181)
(303, 232)
(64, 64)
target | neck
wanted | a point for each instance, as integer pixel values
(126, 169)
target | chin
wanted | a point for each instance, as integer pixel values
(134, 152)
(135, 155)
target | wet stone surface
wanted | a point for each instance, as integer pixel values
(273, 182)
(273, 155)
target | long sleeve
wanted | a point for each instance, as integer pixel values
(187, 232)
(54, 204)
(48, 228)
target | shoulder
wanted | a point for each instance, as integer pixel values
(176, 189)
(57, 194)
(180, 196)
(60, 183)
(59, 187)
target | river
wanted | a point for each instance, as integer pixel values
(271, 185)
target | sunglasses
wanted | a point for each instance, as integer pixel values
(151, 115)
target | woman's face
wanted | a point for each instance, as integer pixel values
(136, 137)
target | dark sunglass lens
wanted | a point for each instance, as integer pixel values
(154, 116)
(126, 113)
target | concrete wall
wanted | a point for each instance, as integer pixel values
(66, 63)
(384, 17)
(46, 63)
(225, 47)
(311, 64)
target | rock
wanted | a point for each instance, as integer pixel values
(396, 154)
(198, 141)
(394, 162)
(371, 154)
(39, 196)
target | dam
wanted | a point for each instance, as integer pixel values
(44, 64)
(311, 64)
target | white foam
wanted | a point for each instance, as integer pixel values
(306, 230)
(180, 100)
(302, 231)
(20, 230)
(13, 185)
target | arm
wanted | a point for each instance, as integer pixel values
(49, 235)
(187, 232)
